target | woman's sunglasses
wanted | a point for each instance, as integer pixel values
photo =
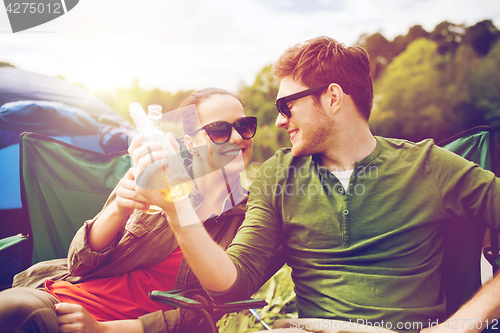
(282, 103)
(220, 131)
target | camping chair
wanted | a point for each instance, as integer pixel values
(64, 185)
(54, 118)
(55, 201)
(15, 256)
(463, 242)
(193, 299)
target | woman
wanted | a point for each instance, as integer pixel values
(118, 257)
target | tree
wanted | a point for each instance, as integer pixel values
(382, 51)
(379, 50)
(447, 36)
(409, 102)
(484, 85)
(259, 101)
(481, 36)
(416, 32)
(260, 97)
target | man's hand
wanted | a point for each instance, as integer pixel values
(150, 162)
(74, 318)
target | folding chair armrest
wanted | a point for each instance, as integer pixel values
(15, 256)
(8, 242)
(252, 303)
(174, 299)
(205, 308)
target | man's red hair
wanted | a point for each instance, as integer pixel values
(323, 60)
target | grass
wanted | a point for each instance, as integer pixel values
(280, 296)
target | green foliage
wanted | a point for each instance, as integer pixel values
(426, 94)
(279, 294)
(120, 99)
(382, 51)
(417, 68)
(5, 64)
(410, 94)
(484, 84)
(447, 36)
(259, 101)
(259, 98)
(482, 36)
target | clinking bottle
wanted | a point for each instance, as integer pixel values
(174, 183)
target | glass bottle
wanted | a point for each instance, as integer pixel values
(175, 183)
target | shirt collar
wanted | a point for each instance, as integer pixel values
(315, 161)
(238, 193)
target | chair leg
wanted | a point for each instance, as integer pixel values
(208, 318)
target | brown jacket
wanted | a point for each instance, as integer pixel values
(146, 240)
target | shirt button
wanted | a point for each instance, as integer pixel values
(345, 212)
(346, 238)
(340, 190)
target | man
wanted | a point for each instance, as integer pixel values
(359, 217)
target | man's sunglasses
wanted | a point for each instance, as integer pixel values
(220, 131)
(282, 103)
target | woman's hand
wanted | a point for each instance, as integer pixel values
(74, 318)
(149, 164)
(114, 216)
(127, 199)
(143, 155)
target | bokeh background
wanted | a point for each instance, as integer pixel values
(435, 63)
(435, 66)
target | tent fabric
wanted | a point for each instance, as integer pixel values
(16, 85)
(19, 85)
(62, 186)
(51, 118)
(55, 119)
(58, 120)
(10, 193)
(51, 106)
(57, 108)
(8, 138)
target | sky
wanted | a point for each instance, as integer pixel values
(193, 44)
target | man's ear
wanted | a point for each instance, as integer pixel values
(335, 97)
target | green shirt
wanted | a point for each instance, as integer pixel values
(371, 252)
